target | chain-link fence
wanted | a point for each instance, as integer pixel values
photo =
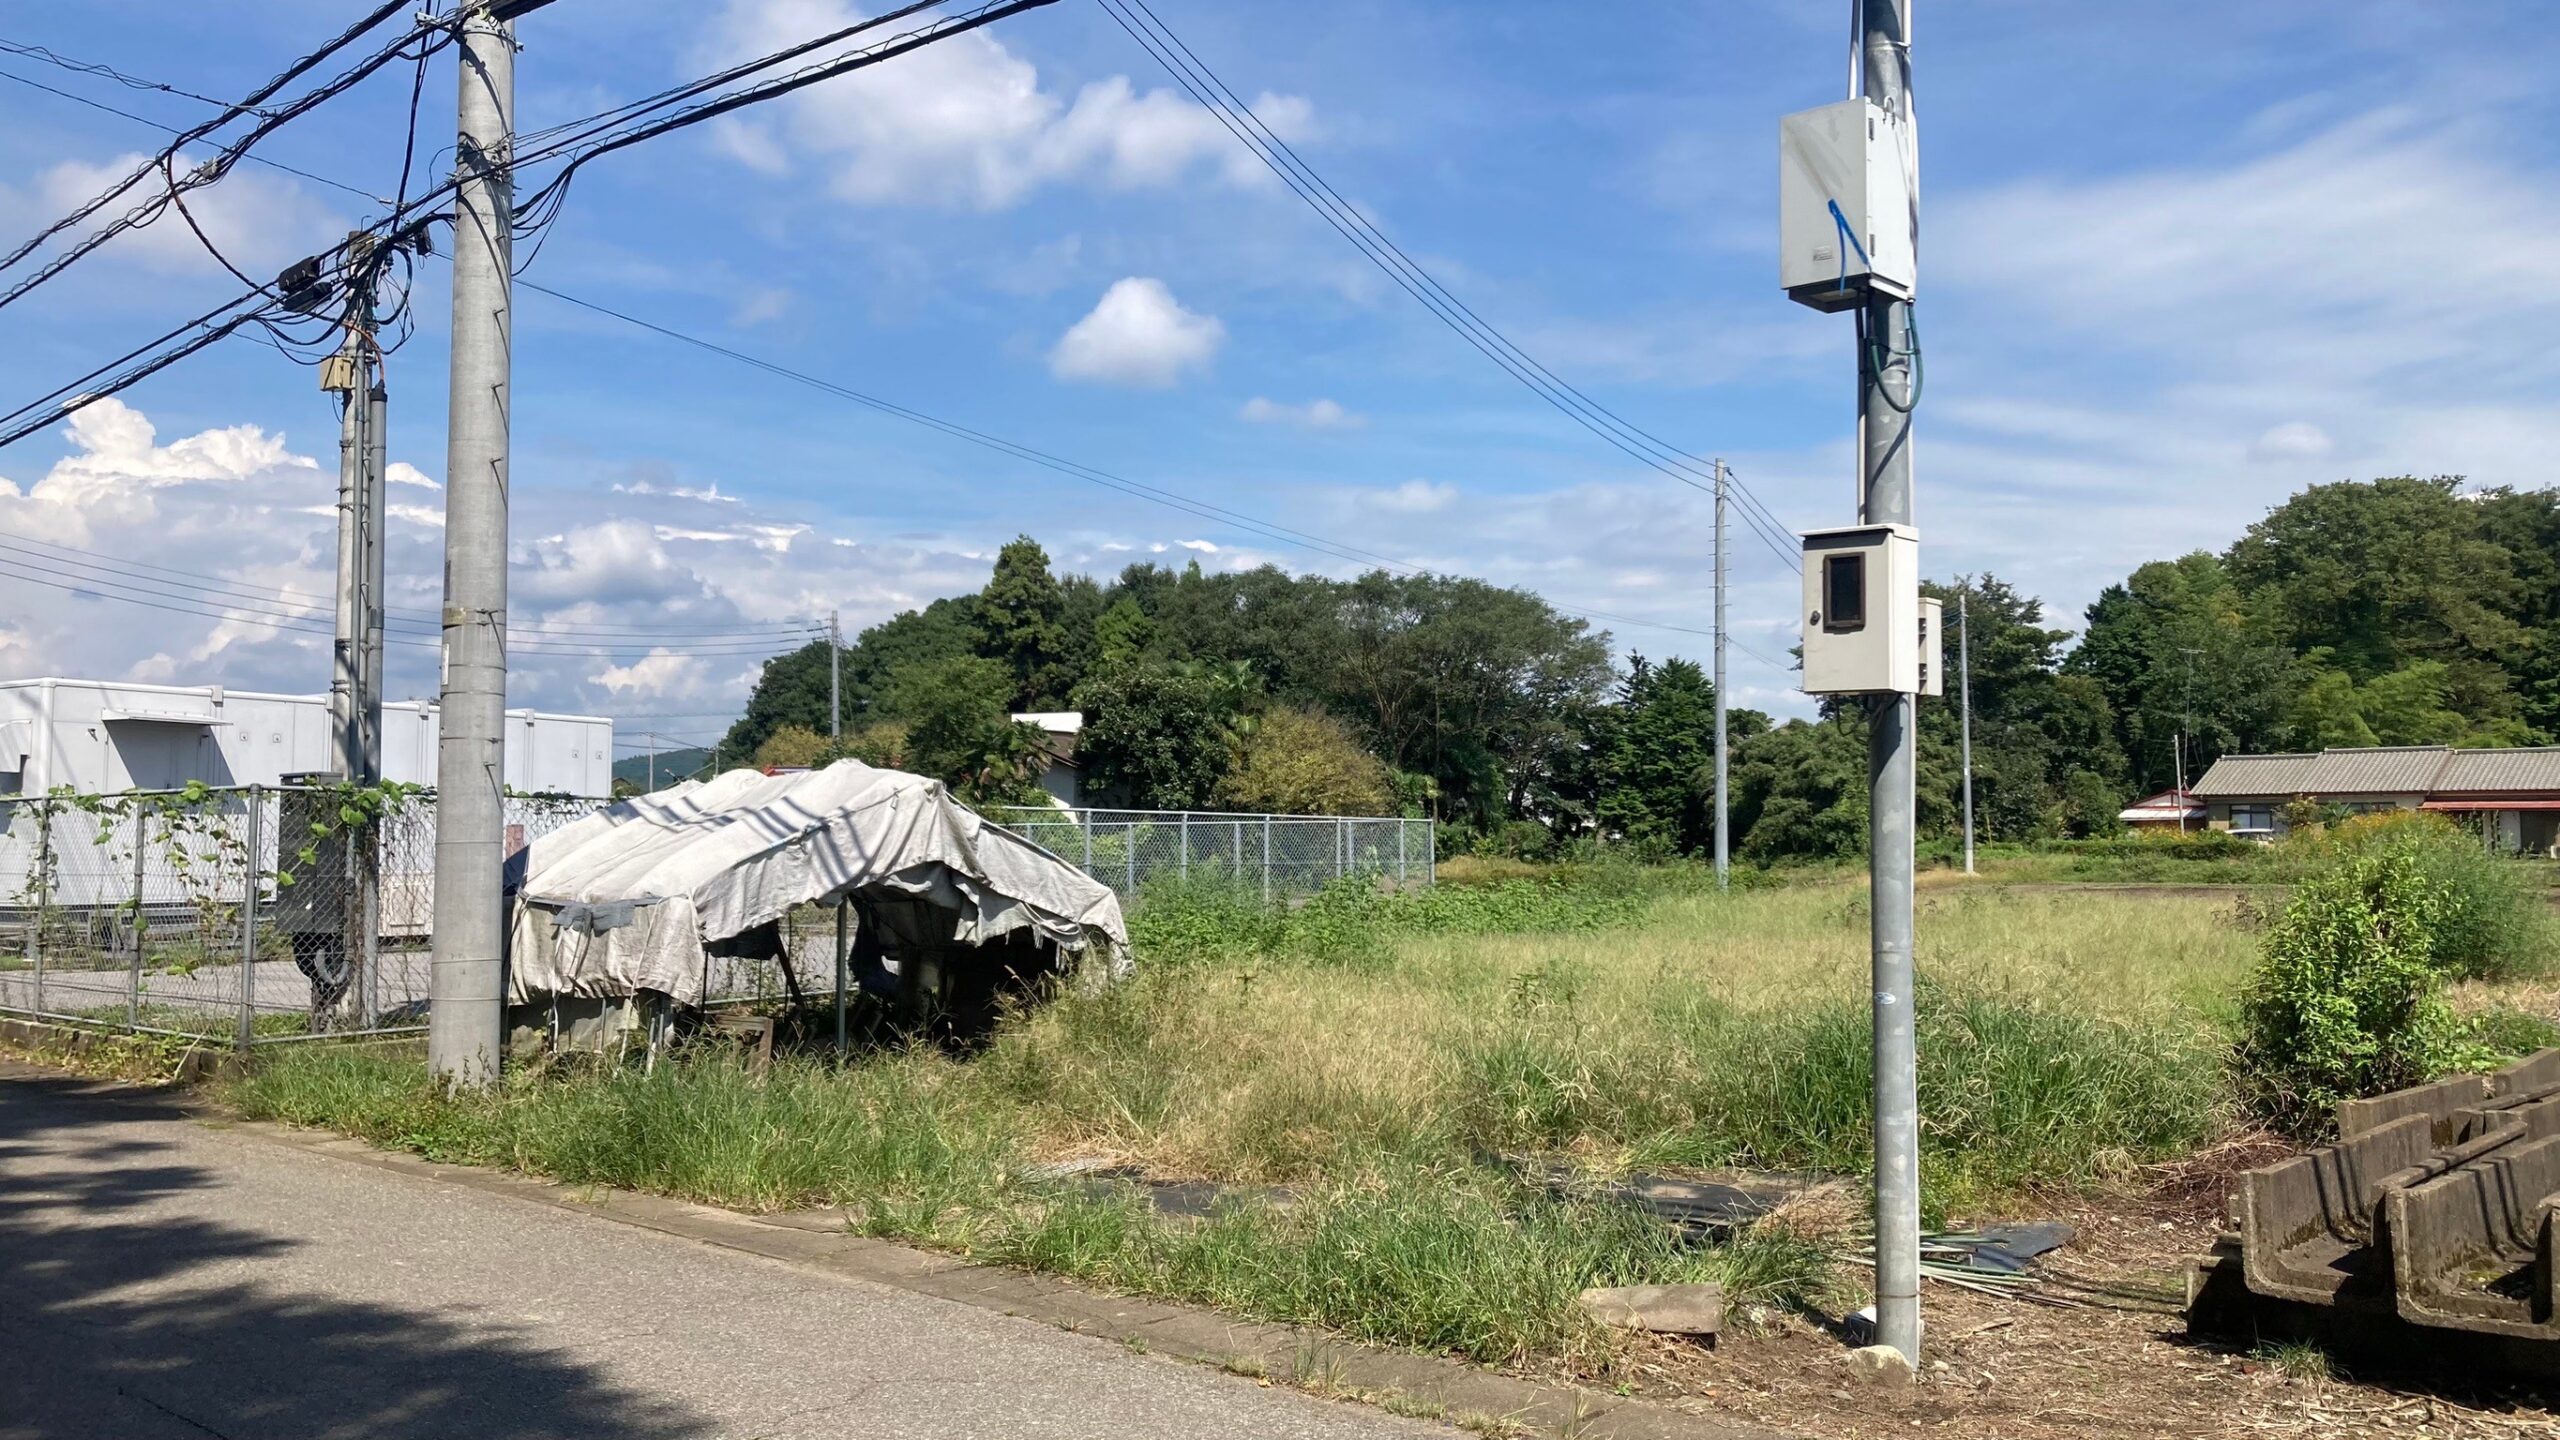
(243, 914)
(1279, 854)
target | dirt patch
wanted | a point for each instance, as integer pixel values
(2120, 1364)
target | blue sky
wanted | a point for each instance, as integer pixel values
(2179, 260)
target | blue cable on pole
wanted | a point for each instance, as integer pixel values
(1842, 221)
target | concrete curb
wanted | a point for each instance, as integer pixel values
(1425, 1386)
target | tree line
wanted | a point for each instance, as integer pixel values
(2396, 611)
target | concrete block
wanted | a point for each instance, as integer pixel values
(1663, 1309)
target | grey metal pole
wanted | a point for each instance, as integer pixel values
(249, 919)
(1964, 691)
(835, 675)
(141, 839)
(44, 895)
(465, 998)
(1885, 399)
(377, 510)
(1266, 859)
(1724, 847)
(842, 1043)
(1185, 861)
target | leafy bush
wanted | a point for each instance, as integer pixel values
(2491, 923)
(2346, 1000)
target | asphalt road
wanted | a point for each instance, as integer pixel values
(162, 1278)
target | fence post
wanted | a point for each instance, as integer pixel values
(1235, 851)
(1266, 859)
(249, 919)
(44, 895)
(141, 839)
(1400, 852)
(1129, 831)
(1341, 847)
(1185, 862)
(1430, 852)
(1084, 822)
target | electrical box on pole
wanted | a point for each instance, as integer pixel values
(1844, 207)
(1933, 647)
(1862, 611)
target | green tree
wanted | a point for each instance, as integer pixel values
(1123, 633)
(2173, 651)
(2385, 574)
(959, 731)
(794, 746)
(1019, 625)
(1656, 781)
(1154, 736)
(1303, 762)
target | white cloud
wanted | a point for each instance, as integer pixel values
(1138, 335)
(1314, 415)
(965, 122)
(660, 672)
(261, 222)
(2294, 440)
(707, 494)
(401, 472)
(762, 305)
(1413, 497)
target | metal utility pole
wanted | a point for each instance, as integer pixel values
(465, 988)
(1964, 690)
(1886, 397)
(1723, 850)
(835, 675)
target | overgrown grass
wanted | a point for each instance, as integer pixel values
(1373, 1051)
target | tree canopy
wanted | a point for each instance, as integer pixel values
(2402, 610)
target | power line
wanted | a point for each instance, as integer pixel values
(1266, 145)
(1076, 470)
(91, 67)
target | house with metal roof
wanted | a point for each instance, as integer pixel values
(2511, 796)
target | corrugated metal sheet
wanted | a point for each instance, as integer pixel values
(2241, 776)
(2470, 772)
(2379, 770)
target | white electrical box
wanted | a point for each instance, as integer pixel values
(1844, 206)
(1933, 646)
(1862, 611)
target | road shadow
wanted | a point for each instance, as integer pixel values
(130, 1307)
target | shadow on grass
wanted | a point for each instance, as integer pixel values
(130, 1307)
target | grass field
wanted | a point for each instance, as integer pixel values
(1373, 1054)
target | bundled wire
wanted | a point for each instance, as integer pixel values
(153, 207)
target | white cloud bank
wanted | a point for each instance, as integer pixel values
(1140, 336)
(965, 123)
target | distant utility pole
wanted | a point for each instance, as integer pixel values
(2186, 725)
(1887, 396)
(466, 1000)
(1964, 690)
(355, 697)
(1723, 850)
(835, 676)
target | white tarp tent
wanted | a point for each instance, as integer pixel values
(632, 897)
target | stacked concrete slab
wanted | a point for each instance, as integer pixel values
(2434, 1212)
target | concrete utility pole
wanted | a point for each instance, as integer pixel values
(2186, 725)
(1884, 498)
(345, 374)
(835, 676)
(1964, 690)
(465, 989)
(1723, 850)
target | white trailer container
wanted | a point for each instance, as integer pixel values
(99, 736)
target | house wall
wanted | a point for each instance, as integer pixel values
(2218, 813)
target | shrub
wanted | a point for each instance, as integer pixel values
(2490, 924)
(2346, 1001)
